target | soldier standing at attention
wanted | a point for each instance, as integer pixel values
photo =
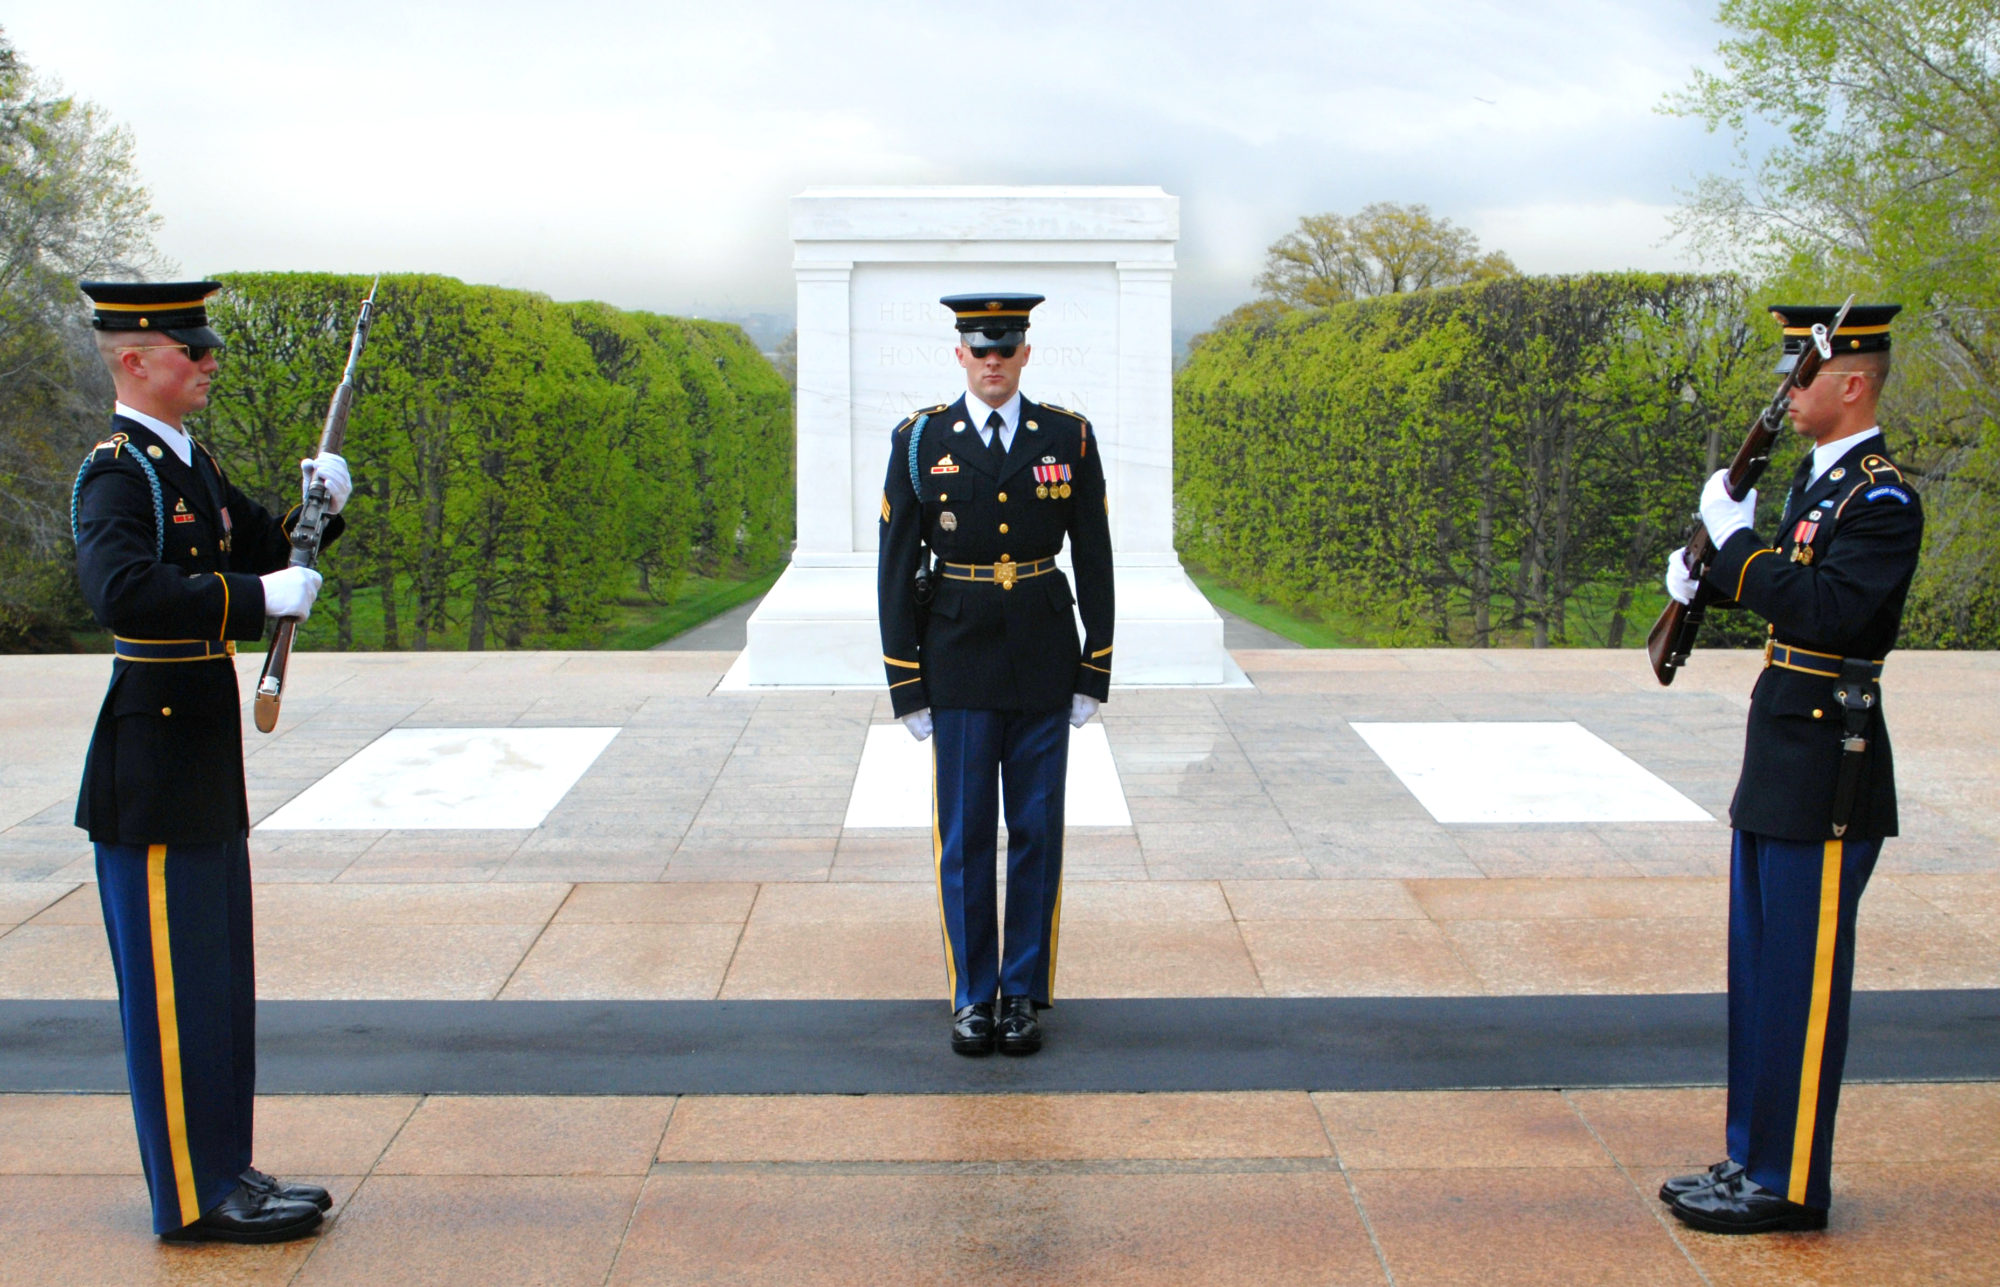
(178, 564)
(1818, 789)
(981, 651)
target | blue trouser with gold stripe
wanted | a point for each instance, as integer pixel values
(1791, 975)
(974, 753)
(178, 917)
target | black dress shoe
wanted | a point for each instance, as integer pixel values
(972, 1029)
(1741, 1205)
(258, 1182)
(1020, 1030)
(1714, 1175)
(246, 1216)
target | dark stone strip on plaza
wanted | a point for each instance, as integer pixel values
(885, 1047)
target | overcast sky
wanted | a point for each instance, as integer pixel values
(641, 153)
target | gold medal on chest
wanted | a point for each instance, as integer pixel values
(1803, 554)
(948, 521)
(1042, 491)
(1063, 491)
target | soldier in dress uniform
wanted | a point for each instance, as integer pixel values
(178, 564)
(1817, 794)
(980, 644)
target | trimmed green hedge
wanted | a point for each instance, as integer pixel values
(514, 458)
(1509, 461)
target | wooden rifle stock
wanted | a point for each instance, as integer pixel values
(1672, 638)
(309, 532)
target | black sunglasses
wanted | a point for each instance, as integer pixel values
(195, 352)
(983, 351)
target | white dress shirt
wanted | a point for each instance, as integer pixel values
(1010, 416)
(1826, 454)
(177, 441)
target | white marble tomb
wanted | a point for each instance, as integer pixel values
(874, 345)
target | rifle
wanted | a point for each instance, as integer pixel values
(310, 530)
(1672, 638)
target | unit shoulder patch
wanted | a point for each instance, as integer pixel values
(1880, 467)
(1887, 491)
(918, 414)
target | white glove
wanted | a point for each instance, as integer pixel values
(331, 470)
(1722, 516)
(919, 723)
(1081, 708)
(1679, 584)
(289, 592)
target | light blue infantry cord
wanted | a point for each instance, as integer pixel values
(152, 481)
(917, 436)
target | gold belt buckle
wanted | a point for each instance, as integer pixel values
(1003, 572)
(1770, 647)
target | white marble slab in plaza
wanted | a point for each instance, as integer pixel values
(447, 779)
(893, 788)
(1523, 772)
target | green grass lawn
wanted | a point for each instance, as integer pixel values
(640, 623)
(1311, 634)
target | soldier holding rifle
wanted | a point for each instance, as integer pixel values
(1817, 793)
(179, 565)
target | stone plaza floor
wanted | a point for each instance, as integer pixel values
(702, 858)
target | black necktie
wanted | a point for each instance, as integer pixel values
(994, 447)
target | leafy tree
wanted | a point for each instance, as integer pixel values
(70, 207)
(1885, 181)
(786, 359)
(1386, 249)
(650, 436)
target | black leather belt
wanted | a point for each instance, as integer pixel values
(1004, 573)
(171, 649)
(1807, 661)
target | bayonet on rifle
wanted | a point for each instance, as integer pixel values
(1673, 635)
(309, 532)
